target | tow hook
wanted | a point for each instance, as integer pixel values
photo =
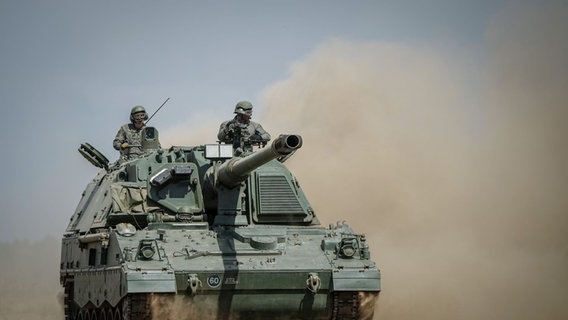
(313, 282)
(194, 283)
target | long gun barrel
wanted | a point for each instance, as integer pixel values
(236, 170)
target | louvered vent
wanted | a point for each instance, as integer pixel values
(278, 201)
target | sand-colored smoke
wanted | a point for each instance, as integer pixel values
(455, 168)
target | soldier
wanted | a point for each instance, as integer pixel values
(241, 131)
(128, 139)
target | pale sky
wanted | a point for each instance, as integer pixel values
(71, 71)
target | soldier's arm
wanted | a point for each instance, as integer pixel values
(223, 134)
(262, 133)
(119, 139)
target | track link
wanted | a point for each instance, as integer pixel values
(136, 306)
(68, 301)
(353, 305)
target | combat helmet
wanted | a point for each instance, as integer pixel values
(137, 109)
(243, 107)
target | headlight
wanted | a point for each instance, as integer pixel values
(146, 250)
(347, 247)
(348, 250)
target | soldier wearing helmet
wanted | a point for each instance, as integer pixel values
(241, 131)
(128, 139)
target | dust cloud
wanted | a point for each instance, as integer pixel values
(452, 162)
(29, 281)
(455, 169)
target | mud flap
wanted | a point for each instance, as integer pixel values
(147, 281)
(356, 280)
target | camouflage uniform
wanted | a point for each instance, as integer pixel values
(129, 134)
(247, 130)
(128, 139)
(240, 131)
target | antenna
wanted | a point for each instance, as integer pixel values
(157, 110)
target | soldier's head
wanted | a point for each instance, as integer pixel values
(243, 110)
(138, 115)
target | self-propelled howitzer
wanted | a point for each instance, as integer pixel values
(196, 233)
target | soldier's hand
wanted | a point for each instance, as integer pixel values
(256, 137)
(124, 145)
(229, 133)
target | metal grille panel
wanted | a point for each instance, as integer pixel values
(277, 197)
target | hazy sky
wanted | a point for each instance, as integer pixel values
(71, 71)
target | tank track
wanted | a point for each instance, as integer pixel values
(136, 306)
(68, 301)
(353, 305)
(132, 307)
(347, 305)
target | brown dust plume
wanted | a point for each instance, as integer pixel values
(455, 169)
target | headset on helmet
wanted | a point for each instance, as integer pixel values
(138, 109)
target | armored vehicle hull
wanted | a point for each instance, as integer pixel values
(195, 233)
